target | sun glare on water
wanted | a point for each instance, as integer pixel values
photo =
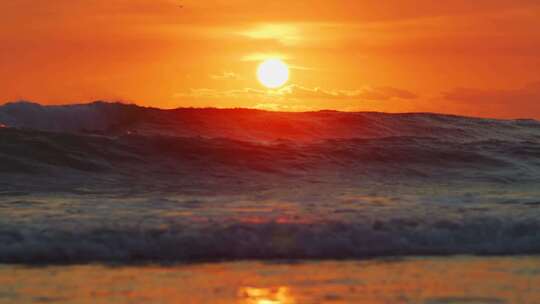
(279, 295)
(273, 73)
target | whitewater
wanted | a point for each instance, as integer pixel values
(111, 182)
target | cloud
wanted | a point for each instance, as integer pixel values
(504, 103)
(365, 93)
(297, 92)
(286, 34)
(283, 107)
(204, 93)
(264, 56)
(226, 76)
(508, 97)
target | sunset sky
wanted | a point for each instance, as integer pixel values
(466, 57)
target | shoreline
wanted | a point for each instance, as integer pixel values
(433, 280)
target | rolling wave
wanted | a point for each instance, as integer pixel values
(122, 183)
(256, 125)
(39, 152)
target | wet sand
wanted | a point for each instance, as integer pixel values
(428, 280)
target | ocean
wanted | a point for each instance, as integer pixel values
(121, 187)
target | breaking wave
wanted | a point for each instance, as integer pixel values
(480, 236)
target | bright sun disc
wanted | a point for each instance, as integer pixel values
(273, 73)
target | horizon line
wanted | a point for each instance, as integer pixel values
(131, 103)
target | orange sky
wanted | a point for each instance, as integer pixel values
(467, 57)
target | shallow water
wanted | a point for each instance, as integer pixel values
(444, 280)
(309, 222)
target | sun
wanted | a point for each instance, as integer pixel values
(273, 73)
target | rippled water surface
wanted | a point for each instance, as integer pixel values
(457, 280)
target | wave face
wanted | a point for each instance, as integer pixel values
(107, 182)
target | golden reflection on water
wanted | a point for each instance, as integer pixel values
(278, 295)
(415, 280)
